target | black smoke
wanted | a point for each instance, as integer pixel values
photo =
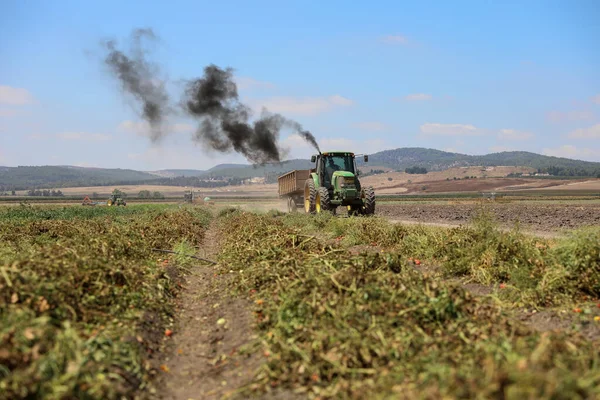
(139, 78)
(225, 121)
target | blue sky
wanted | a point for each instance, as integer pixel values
(472, 77)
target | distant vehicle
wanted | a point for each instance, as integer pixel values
(115, 200)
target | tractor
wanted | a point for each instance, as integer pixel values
(115, 200)
(334, 182)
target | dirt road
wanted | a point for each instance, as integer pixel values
(204, 360)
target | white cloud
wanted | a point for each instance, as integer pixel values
(15, 96)
(450, 129)
(94, 137)
(570, 151)
(593, 132)
(512, 134)
(247, 83)
(395, 39)
(371, 126)
(302, 105)
(418, 97)
(7, 112)
(559, 116)
(596, 99)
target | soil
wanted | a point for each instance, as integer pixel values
(537, 217)
(204, 359)
(550, 320)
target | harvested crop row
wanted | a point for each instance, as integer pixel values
(536, 271)
(337, 325)
(83, 301)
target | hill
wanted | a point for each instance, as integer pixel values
(244, 171)
(436, 160)
(52, 176)
(55, 177)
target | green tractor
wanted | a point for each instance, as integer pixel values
(115, 200)
(334, 182)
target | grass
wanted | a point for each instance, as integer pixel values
(337, 325)
(83, 299)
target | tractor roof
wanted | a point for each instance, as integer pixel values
(337, 153)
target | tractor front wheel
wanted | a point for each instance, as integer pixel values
(368, 201)
(310, 196)
(323, 203)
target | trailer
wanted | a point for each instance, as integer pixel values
(291, 187)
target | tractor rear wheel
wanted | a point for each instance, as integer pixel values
(310, 196)
(323, 203)
(368, 201)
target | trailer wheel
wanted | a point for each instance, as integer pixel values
(310, 196)
(291, 205)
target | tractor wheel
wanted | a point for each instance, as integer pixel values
(310, 196)
(368, 201)
(323, 203)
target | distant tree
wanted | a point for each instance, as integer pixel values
(416, 170)
(119, 193)
(15, 193)
(158, 195)
(144, 194)
(53, 193)
(95, 195)
(59, 193)
(390, 179)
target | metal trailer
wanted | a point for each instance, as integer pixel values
(291, 187)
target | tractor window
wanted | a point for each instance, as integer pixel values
(336, 163)
(339, 163)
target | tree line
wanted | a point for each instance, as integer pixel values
(44, 193)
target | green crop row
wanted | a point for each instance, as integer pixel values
(337, 325)
(83, 298)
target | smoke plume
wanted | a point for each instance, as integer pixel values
(139, 78)
(225, 125)
(224, 122)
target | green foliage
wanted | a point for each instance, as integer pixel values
(483, 253)
(20, 178)
(579, 254)
(83, 299)
(416, 170)
(336, 325)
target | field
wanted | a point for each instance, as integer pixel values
(299, 306)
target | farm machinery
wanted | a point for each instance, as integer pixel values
(115, 200)
(331, 183)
